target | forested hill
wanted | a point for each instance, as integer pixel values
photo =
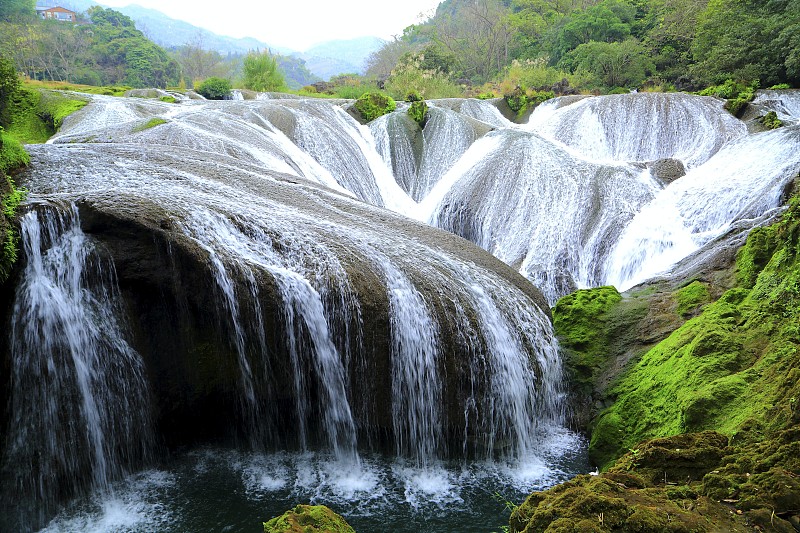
(610, 43)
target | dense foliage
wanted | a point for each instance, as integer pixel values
(604, 44)
(214, 88)
(103, 49)
(262, 73)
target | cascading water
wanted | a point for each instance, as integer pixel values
(513, 195)
(642, 127)
(785, 103)
(80, 413)
(744, 180)
(315, 322)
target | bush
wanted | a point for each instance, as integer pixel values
(419, 112)
(771, 121)
(410, 77)
(519, 100)
(373, 105)
(214, 88)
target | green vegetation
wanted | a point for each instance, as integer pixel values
(373, 105)
(727, 367)
(737, 94)
(214, 88)
(262, 74)
(308, 519)
(604, 44)
(691, 297)
(152, 123)
(38, 114)
(104, 49)
(709, 414)
(418, 112)
(771, 121)
(12, 157)
(581, 323)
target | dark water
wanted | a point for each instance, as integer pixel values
(225, 490)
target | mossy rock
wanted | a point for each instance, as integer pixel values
(681, 458)
(373, 105)
(690, 298)
(308, 519)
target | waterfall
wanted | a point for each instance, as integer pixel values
(535, 206)
(785, 103)
(309, 312)
(642, 127)
(742, 181)
(79, 396)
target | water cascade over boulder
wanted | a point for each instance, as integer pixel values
(258, 274)
(241, 302)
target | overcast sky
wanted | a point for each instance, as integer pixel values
(296, 24)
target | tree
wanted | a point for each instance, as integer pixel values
(607, 22)
(624, 64)
(9, 84)
(16, 10)
(262, 73)
(748, 39)
(197, 63)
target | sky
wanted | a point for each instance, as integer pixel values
(296, 24)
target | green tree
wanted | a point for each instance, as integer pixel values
(15, 10)
(623, 64)
(748, 39)
(262, 73)
(607, 22)
(9, 84)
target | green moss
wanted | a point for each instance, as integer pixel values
(152, 123)
(373, 105)
(579, 319)
(656, 487)
(308, 519)
(418, 112)
(168, 99)
(36, 114)
(690, 298)
(724, 368)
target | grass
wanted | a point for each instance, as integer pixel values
(152, 123)
(115, 90)
(36, 114)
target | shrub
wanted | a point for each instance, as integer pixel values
(520, 100)
(262, 73)
(419, 112)
(373, 105)
(771, 121)
(214, 88)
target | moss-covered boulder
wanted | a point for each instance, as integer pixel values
(373, 105)
(308, 519)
